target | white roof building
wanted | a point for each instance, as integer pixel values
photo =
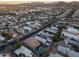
(72, 30)
(52, 30)
(54, 55)
(71, 33)
(27, 28)
(45, 34)
(5, 55)
(62, 49)
(72, 53)
(67, 51)
(41, 39)
(74, 42)
(24, 50)
(2, 38)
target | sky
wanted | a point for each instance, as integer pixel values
(23, 1)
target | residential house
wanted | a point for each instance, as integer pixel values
(43, 41)
(2, 38)
(52, 30)
(5, 55)
(67, 51)
(71, 33)
(55, 55)
(23, 51)
(27, 28)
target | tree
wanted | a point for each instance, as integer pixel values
(17, 45)
(57, 37)
(77, 49)
(7, 35)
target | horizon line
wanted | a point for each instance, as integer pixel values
(19, 2)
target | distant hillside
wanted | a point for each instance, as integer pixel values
(41, 4)
(8, 5)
